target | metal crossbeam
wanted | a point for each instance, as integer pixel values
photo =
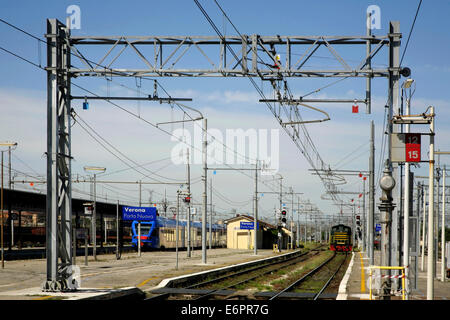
(209, 56)
(251, 56)
(149, 98)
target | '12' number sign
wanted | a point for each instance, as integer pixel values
(412, 147)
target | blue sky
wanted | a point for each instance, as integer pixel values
(427, 50)
(23, 85)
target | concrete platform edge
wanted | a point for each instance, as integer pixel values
(342, 293)
(169, 281)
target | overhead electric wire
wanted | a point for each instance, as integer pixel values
(126, 169)
(72, 53)
(123, 161)
(410, 32)
(349, 154)
(330, 58)
(118, 106)
(124, 155)
(100, 196)
(38, 177)
(181, 107)
(324, 87)
(110, 188)
(22, 58)
(384, 137)
(215, 191)
(362, 152)
(308, 138)
(261, 93)
(146, 121)
(24, 163)
(145, 78)
(149, 123)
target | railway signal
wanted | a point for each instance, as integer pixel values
(358, 234)
(283, 217)
(88, 208)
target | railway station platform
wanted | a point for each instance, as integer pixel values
(109, 278)
(355, 284)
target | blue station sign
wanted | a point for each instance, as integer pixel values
(248, 225)
(378, 227)
(139, 213)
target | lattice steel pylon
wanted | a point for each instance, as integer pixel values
(202, 56)
(59, 192)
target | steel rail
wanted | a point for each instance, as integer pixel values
(238, 273)
(303, 278)
(290, 262)
(166, 295)
(330, 279)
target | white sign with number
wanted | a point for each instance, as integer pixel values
(405, 147)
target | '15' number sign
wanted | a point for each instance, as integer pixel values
(412, 147)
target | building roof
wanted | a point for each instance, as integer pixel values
(249, 218)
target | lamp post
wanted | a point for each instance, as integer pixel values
(9, 145)
(387, 183)
(443, 228)
(436, 220)
(279, 221)
(176, 227)
(406, 198)
(204, 180)
(443, 258)
(94, 213)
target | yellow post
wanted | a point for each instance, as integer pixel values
(403, 284)
(402, 269)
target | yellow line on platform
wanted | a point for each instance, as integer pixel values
(43, 298)
(363, 282)
(145, 281)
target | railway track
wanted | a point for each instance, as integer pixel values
(223, 287)
(334, 271)
(249, 276)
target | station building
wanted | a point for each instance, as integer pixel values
(240, 233)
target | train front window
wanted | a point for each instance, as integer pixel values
(145, 229)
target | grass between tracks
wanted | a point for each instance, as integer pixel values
(287, 278)
(279, 278)
(318, 280)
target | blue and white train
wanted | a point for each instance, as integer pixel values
(160, 234)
